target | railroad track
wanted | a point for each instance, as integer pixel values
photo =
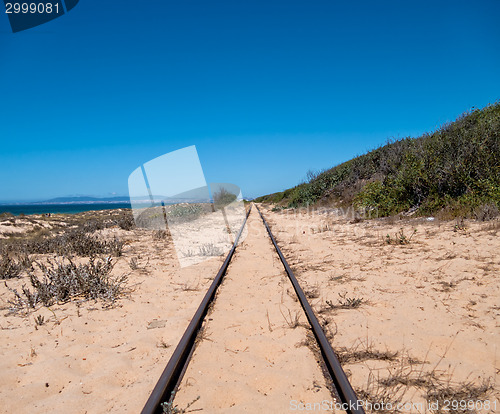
(170, 379)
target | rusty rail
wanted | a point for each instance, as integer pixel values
(174, 371)
(176, 366)
(339, 378)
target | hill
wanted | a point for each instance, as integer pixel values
(454, 170)
(86, 199)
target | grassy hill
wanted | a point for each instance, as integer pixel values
(454, 170)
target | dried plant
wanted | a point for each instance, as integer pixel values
(159, 235)
(170, 408)
(210, 249)
(64, 280)
(400, 237)
(293, 321)
(344, 302)
(8, 267)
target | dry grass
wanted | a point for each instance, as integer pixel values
(345, 278)
(400, 237)
(9, 268)
(312, 292)
(406, 376)
(344, 302)
(293, 321)
(67, 234)
(363, 351)
(210, 249)
(457, 393)
(160, 235)
(62, 281)
(135, 265)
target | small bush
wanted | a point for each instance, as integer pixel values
(210, 249)
(400, 237)
(133, 264)
(113, 247)
(76, 241)
(61, 282)
(160, 235)
(223, 198)
(8, 267)
(92, 225)
(126, 222)
(345, 303)
(486, 212)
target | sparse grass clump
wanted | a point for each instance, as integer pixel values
(459, 397)
(312, 292)
(62, 281)
(344, 302)
(400, 237)
(39, 320)
(363, 351)
(170, 408)
(8, 266)
(210, 249)
(133, 264)
(293, 321)
(159, 234)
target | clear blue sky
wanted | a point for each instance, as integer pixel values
(265, 89)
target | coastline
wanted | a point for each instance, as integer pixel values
(59, 208)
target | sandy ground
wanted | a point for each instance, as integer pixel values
(252, 355)
(406, 320)
(88, 359)
(428, 310)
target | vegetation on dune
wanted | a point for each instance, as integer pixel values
(223, 197)
(455, 169)
(64, 280)
(76, 237)
(66, 277)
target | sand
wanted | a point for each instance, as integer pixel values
(433, 301)
(427, 307)
(252, 355)
(89, 359)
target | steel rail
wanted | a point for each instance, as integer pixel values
(174, 371)
(344, 389)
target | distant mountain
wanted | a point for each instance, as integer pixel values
(84, 199)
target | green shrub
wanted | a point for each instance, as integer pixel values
(456, 168)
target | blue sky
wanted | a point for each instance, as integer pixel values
(265, 89)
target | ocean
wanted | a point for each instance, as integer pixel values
(69, 208)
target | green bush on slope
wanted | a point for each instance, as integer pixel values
(456, 168)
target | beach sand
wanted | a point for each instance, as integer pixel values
(426, 311)
(87, 358)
